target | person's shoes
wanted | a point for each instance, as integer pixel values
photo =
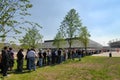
(30, 70)
(6, 75)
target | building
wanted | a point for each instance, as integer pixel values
(114, 44)
(76, 44)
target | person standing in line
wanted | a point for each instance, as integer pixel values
(56, 56)
(79, 54)
(40, 61)
(48, 57)
(69, 53)
(59, 56)
(11, 54)
(73, 54)
(64, 55)
(45, 57)
(31, 57)
(5, 61)
(53, 56)
(27, 60)
(20, 58)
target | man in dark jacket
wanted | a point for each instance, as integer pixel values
(5, 61)
(20, 57)
(11, 54)
(59, 56)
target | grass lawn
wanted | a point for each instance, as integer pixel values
(89, 68)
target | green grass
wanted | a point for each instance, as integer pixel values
(89, 68)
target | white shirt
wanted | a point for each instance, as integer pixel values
(31, 53)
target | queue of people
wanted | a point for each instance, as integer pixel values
(7, 60)
(41, 58)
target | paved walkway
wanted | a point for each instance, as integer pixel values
(114, 54)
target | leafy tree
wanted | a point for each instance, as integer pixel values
(1, 46)
(59, 40)
(10, 12)
(70, 26)
(15, 47)
(84, 36)
(32, 38)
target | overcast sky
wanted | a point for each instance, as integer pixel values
(100, 16)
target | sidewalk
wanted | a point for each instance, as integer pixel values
(114, 54)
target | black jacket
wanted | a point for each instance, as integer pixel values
(5, 58)
(20, 55)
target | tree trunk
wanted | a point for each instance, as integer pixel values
(85, 50)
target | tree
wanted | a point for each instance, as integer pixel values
(32, 39)
(70, 26)
(84, 36)
(15, 47)
(59, 40)
(10, 12)
(1, 46)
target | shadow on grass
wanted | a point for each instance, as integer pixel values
(1, 77)
(26, 71)
(13, 72)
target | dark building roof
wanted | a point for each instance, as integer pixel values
(115, 44)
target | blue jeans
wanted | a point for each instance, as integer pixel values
(40, 62)
(79, 57)
(31, 63)
(73, 56)
(59, 59)
(62, 58)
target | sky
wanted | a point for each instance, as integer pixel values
(100, 16)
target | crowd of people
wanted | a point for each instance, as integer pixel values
(43, 57)
(7, 60)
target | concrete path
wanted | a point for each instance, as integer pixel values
(114, 54)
